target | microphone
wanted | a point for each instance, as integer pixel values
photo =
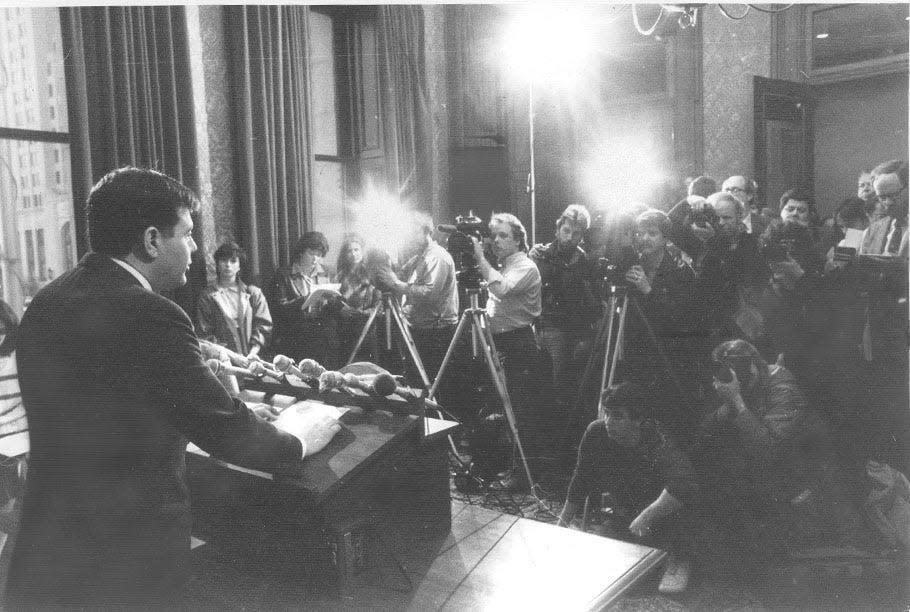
(223, 368)
(310, 368)
(446, 228)
(259, 368)
(286, 365)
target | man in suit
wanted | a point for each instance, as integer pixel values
(888, 235)
(114, 385)
(743, 189)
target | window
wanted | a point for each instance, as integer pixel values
(39, 247)
(49, 242)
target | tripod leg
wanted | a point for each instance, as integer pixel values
(462, 322)
(619, 338)
(499, 379)
(398, 316)
(609, 354)
(364, 332)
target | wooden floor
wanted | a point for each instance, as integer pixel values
(489, 561)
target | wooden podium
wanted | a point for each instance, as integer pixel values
(324, 517)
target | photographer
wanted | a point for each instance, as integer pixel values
(766, 459)
(430, 291)
(661, 337)
(568, 304)
(514, 302)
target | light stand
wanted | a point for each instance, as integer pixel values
(482, 340)
(532, 177)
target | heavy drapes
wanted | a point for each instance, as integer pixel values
(409, 129)
(130, 101)
(269, 60)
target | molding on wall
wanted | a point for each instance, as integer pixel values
(860, 70)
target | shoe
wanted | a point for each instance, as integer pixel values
(513, 483)
(676, 576)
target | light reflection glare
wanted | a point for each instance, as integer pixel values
(549, 44)
(622, 170)
(378, 217)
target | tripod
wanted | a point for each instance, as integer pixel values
(393, 314)
(612, 325)
(482, 341)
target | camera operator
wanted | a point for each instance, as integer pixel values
(430, 291)
(514, 301)
(568, 304)
(661, 335)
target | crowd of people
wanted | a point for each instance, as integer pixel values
(760, 358)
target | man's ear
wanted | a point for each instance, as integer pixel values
(151, 240)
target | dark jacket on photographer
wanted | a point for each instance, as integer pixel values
(663, 339)
(567, 301)
(732, 277)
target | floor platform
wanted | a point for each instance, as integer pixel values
(489, 561)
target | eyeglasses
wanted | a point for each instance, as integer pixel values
(734, 190)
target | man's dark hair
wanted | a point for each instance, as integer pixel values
(656, 218)
(315, 241)
(230, 250)
(702, 186)
(632, 398)
(799, 196)
(127, 201)
(852, 210)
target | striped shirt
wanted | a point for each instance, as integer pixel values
(13, 423)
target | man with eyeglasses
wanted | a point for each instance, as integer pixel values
(743, 189)
(888, 235)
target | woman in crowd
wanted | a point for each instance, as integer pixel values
(651, 482)
(304, 331)
(230, 312)
(360, 297)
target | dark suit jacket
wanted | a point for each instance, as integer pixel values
(114, 385)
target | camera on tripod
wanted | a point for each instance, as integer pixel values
(461, 248)
(610, 274)
(375, 260)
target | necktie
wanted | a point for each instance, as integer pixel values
(894, 238)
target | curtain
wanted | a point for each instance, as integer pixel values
(409, 145)
(130, 102)
(269, 61)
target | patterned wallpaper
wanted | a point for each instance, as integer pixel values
(734, 52)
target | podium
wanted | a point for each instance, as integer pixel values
(324, 517)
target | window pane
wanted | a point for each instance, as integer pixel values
(31, 71)
(858, 33)
(370, 87)
(328, 206)
(324, 97)
(37, 229)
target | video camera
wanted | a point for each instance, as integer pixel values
(374, 261)
(610, 274)
(461, 248)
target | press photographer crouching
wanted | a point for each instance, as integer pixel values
(650, 483)
(767, 464)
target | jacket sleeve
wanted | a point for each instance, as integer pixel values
(195, 402)
(261, 331)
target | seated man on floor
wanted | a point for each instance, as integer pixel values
(652, 483)
(766, 463)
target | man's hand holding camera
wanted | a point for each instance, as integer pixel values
(730, 392)
(637, 277)
(387, 277)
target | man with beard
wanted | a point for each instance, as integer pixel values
(567, 302)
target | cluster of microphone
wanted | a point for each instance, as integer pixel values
(311, 372)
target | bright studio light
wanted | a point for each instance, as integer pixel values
(549, 44)
(623, 170)
(378, 217)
